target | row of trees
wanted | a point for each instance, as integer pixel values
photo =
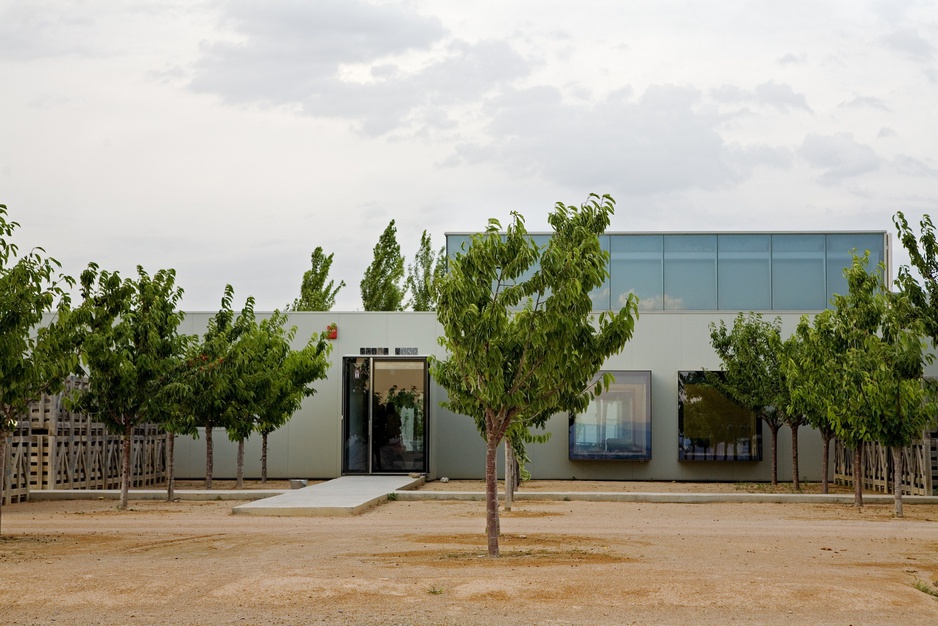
(855, 371)
(242, 374)
(385, 286)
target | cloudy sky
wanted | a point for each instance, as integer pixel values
(228, 139)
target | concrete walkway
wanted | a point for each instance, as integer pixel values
(348, 495)
(351, 495)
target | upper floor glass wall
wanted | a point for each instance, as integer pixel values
(726, 272)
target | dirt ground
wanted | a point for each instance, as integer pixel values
(84, 562)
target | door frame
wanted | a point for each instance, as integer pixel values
(370, 418)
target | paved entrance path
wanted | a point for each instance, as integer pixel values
(348, 495)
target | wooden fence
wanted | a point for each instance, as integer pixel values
(53, 448)
(919, 467)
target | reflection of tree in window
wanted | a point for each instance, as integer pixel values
(713, 427)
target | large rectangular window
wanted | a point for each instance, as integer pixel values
(798, 273)
(690, 272)
(711, 427)
(617, 424)
(840, 251)
(744, 271)
(637, 266)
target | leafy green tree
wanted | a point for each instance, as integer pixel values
(315, 293)
(33, 360)
(751, 354)
(523, 343)
(865, 368)
(803, 391)
(923, 256)
(423, 275)
(292, 372)
(130, 341)
(381, 286)
(214, 381)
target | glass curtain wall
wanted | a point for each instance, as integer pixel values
(725, 272)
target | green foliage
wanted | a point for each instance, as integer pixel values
(862, 364)
(288, 373)
(381, 286)
(130, 346)
(923, 256)
(32, 360)
(424, 274)
(315, 293)
(751, 354)
(518, 327)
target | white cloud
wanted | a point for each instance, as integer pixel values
(839, 155)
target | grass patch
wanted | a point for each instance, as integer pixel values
(924, 587)
(392, 497)
(435, 591)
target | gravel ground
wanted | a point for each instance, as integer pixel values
(424, 563)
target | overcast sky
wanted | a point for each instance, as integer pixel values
(228, 139)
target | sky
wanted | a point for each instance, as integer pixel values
(227, 140)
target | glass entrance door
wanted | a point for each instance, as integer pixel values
(385, 415)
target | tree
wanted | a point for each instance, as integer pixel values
(423, 275)
(923, 256)
(292, 371)
(751, 354)
(33, 360)
(315, 293)
(214, 383)
(863, 364)
(523, 343)
(801, 389)
(381, 285)
(129, 346)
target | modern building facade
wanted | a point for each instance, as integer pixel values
(379, 412)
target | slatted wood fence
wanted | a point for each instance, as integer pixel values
(53, 448)
(919, 467)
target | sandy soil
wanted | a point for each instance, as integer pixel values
(424, 563)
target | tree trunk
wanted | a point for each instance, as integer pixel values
(897, 479)
(125, 466)
(825, 460)
(491, 493)
(857, 476)
(239, 484)
(170, 467)
(774, 428)
(264, 458)
(795, 480)
(4, 446)
(209, 457)
(509, 475)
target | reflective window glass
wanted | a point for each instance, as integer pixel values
(617, 424)
(798, 276)
(840, 249)
(455, 243)
(744, 272)
(690, 272)
(601, 295)
(637, 267)
(711, 427)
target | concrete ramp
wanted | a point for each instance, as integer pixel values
(348, 495)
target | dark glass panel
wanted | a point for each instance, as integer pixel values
(398, 435)
(711, 427)
(617, 424)
(355, 431)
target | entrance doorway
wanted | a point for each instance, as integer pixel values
(384, 430)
